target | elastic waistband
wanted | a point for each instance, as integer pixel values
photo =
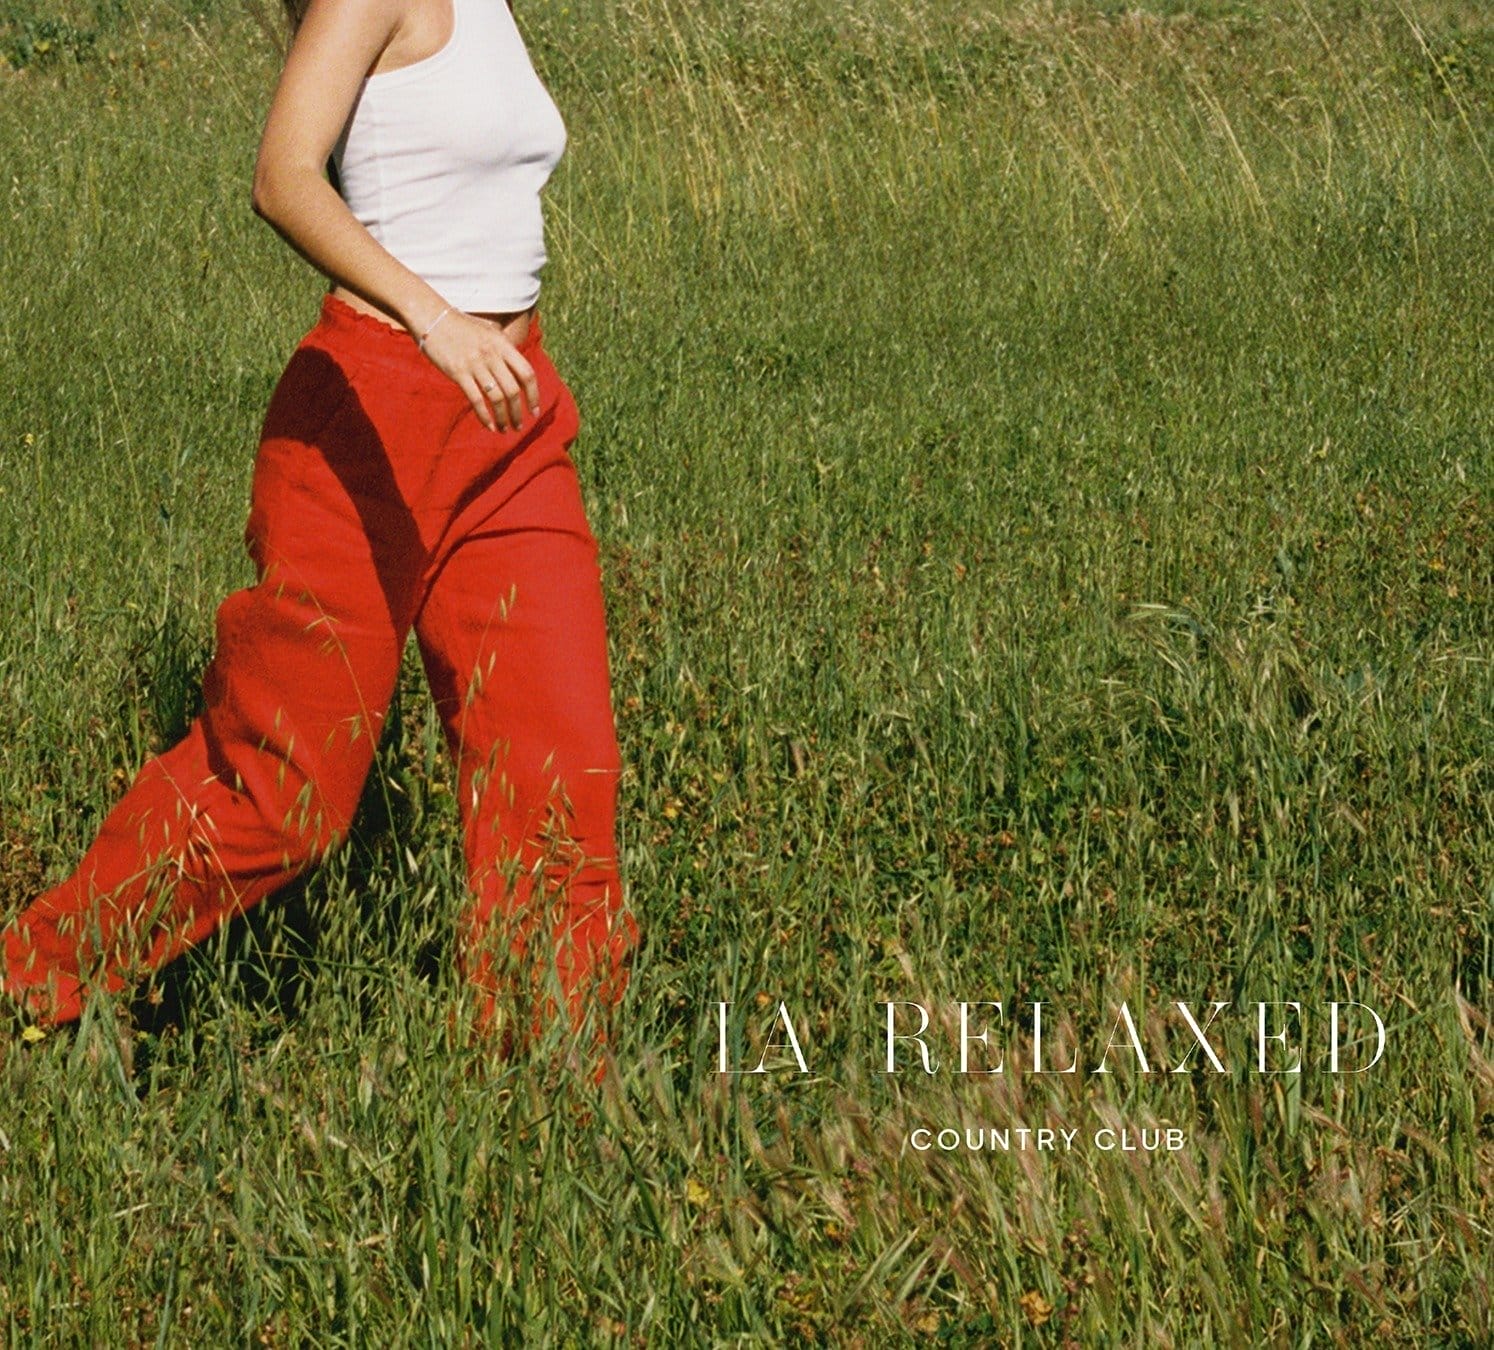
(341, 317)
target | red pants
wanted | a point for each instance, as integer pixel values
(380, 504)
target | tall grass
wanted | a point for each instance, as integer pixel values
(1042, 454)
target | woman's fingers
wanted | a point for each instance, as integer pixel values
(494, 375)
(478, 398)
(510, 378)
(524, 372)
(505, 395)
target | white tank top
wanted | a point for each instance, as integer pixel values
(443, 161)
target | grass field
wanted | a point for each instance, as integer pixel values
(1044, 461)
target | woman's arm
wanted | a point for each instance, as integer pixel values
(335, 47)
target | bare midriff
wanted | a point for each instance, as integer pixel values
(515, 323)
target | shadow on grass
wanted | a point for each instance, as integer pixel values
(267, 960)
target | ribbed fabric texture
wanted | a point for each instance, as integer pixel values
(444, 161)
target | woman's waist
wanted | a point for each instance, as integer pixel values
(520, 326)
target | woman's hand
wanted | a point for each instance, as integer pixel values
(485, 365)
(339, 41)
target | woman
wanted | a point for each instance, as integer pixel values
(413, 475)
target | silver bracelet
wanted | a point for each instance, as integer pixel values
(432, 328)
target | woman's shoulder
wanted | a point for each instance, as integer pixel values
(376, 35)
